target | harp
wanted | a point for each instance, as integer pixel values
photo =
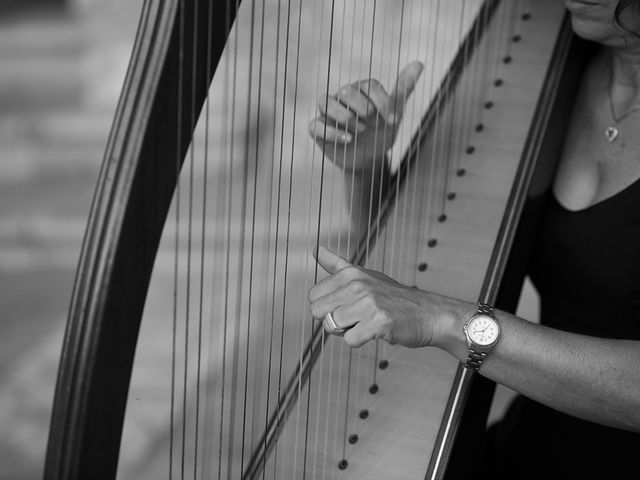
(233, 379)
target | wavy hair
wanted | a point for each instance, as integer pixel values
(621, 7)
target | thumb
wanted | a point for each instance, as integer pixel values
(330, 261)
(401, 91)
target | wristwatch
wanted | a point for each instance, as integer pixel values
(483, 332)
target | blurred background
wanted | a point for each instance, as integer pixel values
(62, 63)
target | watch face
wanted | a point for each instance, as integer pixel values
(483, 330)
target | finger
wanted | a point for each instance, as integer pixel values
(348, 316)
(337, 114)
(375, 91)
(340, 276)
(321, 130)
(363, 326)
(399, 94)
(336, 291)
(331, 262)
(358, 335)
(352, 98)
(331, 327)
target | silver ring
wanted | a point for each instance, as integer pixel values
(331, 326)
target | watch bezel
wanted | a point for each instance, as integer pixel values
(472, 341)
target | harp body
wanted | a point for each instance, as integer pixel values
(236, 420)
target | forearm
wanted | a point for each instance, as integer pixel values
(364, 190)
(592, 378)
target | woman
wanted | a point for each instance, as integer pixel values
(578, 373)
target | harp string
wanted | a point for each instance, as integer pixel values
(176, 250)
(259, 347)
(297, 63)
(445, 131)
(300, 384)
(289, 203)
(435, 160)
(490, 81)
(502, 20)
(256, 410)
(341, 347)
(473, 111)
(257, 423)
(188, 295)
(241, 300)
(395, 255)
(374, 379)
(392, 268)
(320, 366)
(424, 94)
(227, 136)
(456, 143)
(379, 263)
(361, 213)
(203, 386)
(326, 392)
(462, 145)
(511, 27)
(364, 211)
(249, 302)
(332, 346)
(277, 208)
(317, 240)
(518, 9)
(202, 239)
(300, 327)
(470, 109)
(208, 380)
(235, 351)
(453, 128)
(503, 41)
(368, 206)
(384, 171)
(350, 239)
(488, 65)
(267, 244)
(432, 169)
(440, 29)
(231, 329)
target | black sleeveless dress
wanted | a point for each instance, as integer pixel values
(586, 267)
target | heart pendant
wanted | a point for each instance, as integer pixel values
(611, 133)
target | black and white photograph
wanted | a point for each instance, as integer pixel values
(319, 239)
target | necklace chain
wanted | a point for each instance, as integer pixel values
(612, 131)
(631, 110)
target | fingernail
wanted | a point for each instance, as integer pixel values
(345, 138)
(392, 118)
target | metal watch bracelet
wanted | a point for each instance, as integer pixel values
(475, 359)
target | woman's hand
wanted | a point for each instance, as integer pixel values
(358, 125)
(372, 305)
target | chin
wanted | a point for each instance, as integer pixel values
(597, 30)
(587, 28)
(594, 20)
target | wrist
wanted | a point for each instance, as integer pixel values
(448, 329)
